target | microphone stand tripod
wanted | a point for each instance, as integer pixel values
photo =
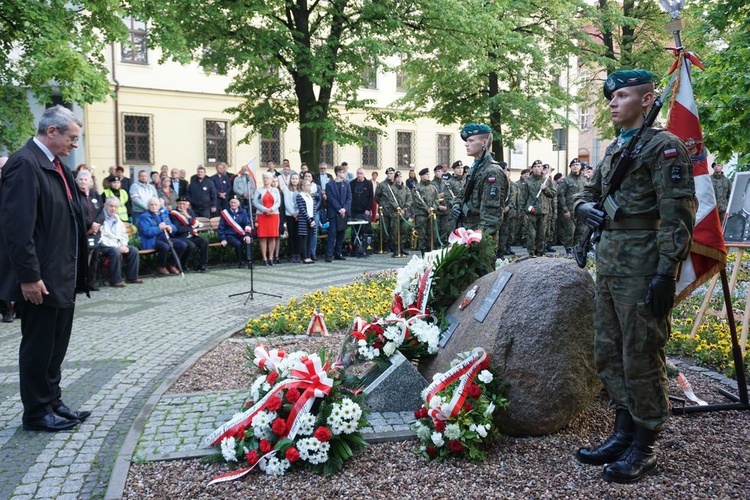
(251, 293)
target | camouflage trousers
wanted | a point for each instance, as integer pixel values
(571, 232)
(629, 349)
(446, 225)
(393, 222)
(508, 229)
(422, 225)
(536, 233)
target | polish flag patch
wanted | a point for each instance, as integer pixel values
(670, 153)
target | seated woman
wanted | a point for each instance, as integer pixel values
(235, 229)
(154, 227)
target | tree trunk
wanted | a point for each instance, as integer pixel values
(496, 119)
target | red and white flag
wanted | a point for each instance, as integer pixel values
(708, 254)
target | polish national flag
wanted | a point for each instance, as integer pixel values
(708, 254)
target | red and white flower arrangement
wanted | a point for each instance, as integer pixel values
(458, 416)
(299, 414)
(413, 325)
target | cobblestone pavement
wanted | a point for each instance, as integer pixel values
(127, 346)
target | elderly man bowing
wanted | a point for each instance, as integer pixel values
(42, 259)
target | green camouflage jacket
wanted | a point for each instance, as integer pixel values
(528, 195)
(425, 198)
(570, 186)
(484, 210)
(722, 190)
(658, 185)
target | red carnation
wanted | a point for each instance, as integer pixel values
(397, 306)
(248, 404)
(279, 426)
(440, 425)
(273, 403)
(376, 329)
(323, 434)
(377, 345)
(252, 457)
(358, 335)
(475, 391)
(468, 406)
(272, 377)
(455, 446)
(292, 395)
(265, 446)
(432, 452)
(292, 454)
(420, 413)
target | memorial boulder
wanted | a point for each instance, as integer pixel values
(539, 335)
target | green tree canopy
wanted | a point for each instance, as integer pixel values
(292, 61)
(50, 47)
(721, 37)
(503, 62)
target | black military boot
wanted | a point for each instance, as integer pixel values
(639, 461)
(614, 447)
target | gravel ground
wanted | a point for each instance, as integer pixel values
(700, 456)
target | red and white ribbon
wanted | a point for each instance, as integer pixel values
(464, 236)
(423, 292)
(185, 222)
(464, 372)
(268, 360)
(233, 224)
(309, 375)
(236, 474)
(317, 319)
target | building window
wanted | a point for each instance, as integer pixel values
(370, 77)
(370, 150)
(270, 148)
(326, 153)
(444, 149)
(560, 142)
(137, 139)
(217, 143)
(401, 82)
(404, 149)
(584, 120)
(134, 50)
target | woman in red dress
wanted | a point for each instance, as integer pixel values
(266, 201)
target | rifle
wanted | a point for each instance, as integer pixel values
(469, 189)
(582, 248)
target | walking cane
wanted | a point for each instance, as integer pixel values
(174, 253)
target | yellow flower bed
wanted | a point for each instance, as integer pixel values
(368, 296)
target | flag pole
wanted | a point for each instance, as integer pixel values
(675, 25)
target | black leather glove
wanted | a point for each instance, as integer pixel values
(590, 216)
(456, 213)
(660, 294)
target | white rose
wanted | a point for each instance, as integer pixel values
(485, 376)
(389, 348)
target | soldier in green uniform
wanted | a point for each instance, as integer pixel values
(393, 196)
(457, 181)
(480, 206)
(424, 203)
(571, 185)
(445, 202)
(519, 238)
(722, 189)
(510, 215)
(646, 233)
(535, 190)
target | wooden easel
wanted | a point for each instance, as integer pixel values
(722, 313)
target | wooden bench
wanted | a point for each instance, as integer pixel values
(131, 232)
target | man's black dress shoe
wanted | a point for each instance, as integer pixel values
(50, 423)
(328, 259)
(66, 412)
(339, 257)
(8, 317)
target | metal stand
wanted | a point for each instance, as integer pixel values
(380, 226)
(399, 250)
(251, 293)
(740, 402)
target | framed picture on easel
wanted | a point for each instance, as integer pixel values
(737, 227)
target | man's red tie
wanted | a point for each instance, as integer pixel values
(59, 168)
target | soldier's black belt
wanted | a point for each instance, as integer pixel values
(633, 224)
(472, 219)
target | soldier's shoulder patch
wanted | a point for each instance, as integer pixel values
(492, 179)
(670, 152)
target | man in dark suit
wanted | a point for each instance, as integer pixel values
(339, 199)
(42, 260)
(179, 185)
